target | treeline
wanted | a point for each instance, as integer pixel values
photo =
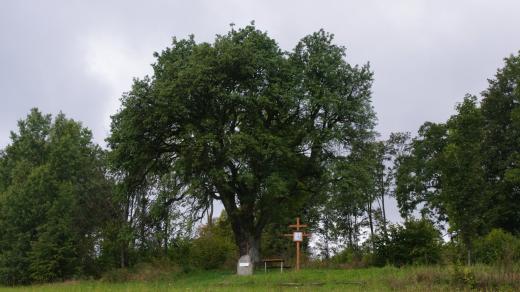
(466, 172)
(270, 135)
(55, 198)
(461, 178)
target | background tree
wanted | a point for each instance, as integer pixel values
(244, 123)
(53, 200)
(418, 177)
(464, 193)
(501, 144)
(444, 171)
(146, 222)
(356, 192)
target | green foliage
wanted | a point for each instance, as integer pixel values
(463, 276)
(52, 199)
(274, 245)
(501, 145)
(351, 193)
(498, 247)
(214, 248)
(213, 252)
(418, 175)
(180, 254)
(417, 242)
(463, 193)
(157, 270)
(351, 258)
(240, 121)
(465, 171)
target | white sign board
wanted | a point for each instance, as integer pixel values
(297, 236)
(243, 264)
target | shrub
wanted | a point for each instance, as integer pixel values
(180, 253)
(212, 252)
(350, 258)
(214, 248)
(497, 247)
(453, 253)
(417, 242)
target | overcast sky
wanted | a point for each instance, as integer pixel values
(79, 56)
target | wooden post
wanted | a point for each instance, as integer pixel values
(297, 256)
(298, 236)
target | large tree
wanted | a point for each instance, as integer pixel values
(464, 193)
(444, 173)
(243, 122)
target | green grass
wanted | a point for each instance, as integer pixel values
(369, 279)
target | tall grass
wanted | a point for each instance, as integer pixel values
(419, 278)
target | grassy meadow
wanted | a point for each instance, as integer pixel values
(432, 278)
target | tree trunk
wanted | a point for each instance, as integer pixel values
(350, 231)
(370, 220)
(247, 229)
(247, 236)
(326, 237)
(210, 213)
(166, 228)
(384, 214)
(356, 232)
(469, 248)
(123, 254)
(250, 245)
(122, 258)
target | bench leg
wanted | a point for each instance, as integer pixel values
(281, 267)
(265, 267)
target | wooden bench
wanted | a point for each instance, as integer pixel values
(270, 261)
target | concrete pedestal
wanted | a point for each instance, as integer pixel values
(245, 266)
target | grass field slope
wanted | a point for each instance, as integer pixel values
(434, 278)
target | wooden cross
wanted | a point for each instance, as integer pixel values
(297, 236)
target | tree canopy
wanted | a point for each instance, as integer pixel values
(243, 122)
(53, 193)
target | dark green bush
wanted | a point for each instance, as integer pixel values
(214, 248)
(212, 252)
(347, 255)
(180, 253)
(351, 258)
(417, 242)
(453, 253)
(497, 247)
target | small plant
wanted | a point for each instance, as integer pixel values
(463, 276)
